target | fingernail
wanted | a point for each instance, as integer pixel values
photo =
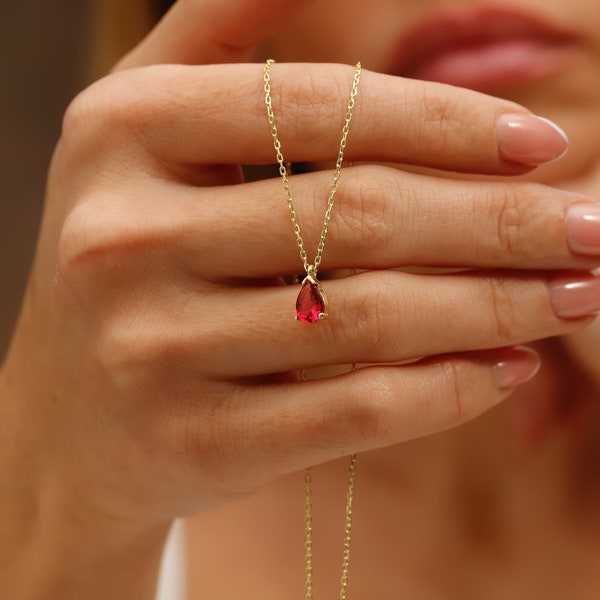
(575, 297)
(583, 228)
(515, 366)
(529, 139)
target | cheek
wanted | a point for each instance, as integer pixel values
(580, 16)
(343, 31)
(590, 7)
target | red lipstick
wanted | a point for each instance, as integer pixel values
(484, 49)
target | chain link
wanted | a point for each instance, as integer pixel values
(310, 268)
(308, 532)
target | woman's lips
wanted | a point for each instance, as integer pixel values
(484, 49)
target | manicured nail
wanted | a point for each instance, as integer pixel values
(529, 139)
(515, 366)
(583, 228)
(575, 297)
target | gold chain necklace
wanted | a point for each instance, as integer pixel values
(311, 306)
(308, 557)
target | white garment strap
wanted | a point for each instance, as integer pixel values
(172, 577)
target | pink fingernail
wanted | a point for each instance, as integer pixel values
(583, 228)
(576, 296)
(515, 366)
(529, 139)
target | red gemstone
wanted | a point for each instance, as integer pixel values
(310, 303)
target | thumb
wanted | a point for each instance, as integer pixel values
(211, 31)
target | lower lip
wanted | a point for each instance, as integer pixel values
(496, 63)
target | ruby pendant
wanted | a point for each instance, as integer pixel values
(311, 305)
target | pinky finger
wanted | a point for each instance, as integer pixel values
(377, 406)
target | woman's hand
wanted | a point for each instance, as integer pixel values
(172, 340)
(154, 370)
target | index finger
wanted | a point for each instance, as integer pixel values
(216, 114)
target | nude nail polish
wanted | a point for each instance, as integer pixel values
(582, 228)
(576, 296)
(530, 140)
(515, 366)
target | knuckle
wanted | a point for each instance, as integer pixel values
(362, 219)
(108, 109)
(99, 239)
(147, 347)
(368, 413)
(437, 125)
(74, 116)
(376, 310)
(207, 445)
(123, 352)
(88, 239)
(74, 242)
(198, 438)
(210, 438)
(314, 97)
(80, 114)
(504, 311)
(98, 231)
(86, 115)
(508, 214)
(144, 348)
(457, 378)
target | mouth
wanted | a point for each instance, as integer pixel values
(484, 49)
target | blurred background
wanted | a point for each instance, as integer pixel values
(50, 50)
(43, 63)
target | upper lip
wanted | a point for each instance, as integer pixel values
(444, 31)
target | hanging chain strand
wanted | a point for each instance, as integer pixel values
(308, 522)
(348, 528)
(308, 557)
(348, 523)
(308, 532)
(311, 271)
(310, 268)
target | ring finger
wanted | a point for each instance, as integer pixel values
(390, 316)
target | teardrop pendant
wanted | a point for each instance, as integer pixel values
(311, 305)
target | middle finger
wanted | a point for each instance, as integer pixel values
(383, 218)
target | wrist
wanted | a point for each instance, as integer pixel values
(53, 542)
(51, 561)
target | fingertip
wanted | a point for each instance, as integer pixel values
(515, 366)
(530, 140)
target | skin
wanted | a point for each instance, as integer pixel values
(570, 97)
(563, 97)
(142, 409)
(438, 517)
